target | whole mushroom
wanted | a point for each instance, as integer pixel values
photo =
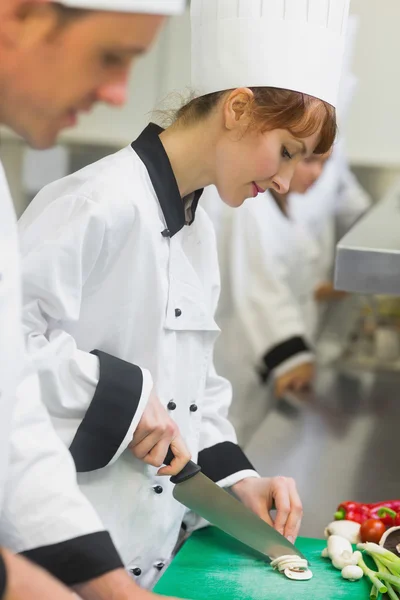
(391, 540)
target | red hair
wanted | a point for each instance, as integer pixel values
(273, 108)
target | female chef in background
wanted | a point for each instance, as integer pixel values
(337, 200)
(120, 267)
(329, 209)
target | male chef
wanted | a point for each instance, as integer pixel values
(56, 60)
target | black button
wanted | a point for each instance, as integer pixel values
(158, 489)
(159, 566)
(193, 408)
(136, 571)
(171, 405)
(178, 312)
(166, 233)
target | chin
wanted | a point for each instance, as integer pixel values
(234, 203)
(41, 140)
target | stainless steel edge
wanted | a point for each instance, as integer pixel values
(368, 257)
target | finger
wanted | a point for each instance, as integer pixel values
(148, 449)
(282, 502)
(145, 447)
(293, 522)
(141, 433)
(263, 513)
(156, 456)
(181, 458)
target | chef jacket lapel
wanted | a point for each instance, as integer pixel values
(187, 306)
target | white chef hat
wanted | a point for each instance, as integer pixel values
(290, 44)
(160, 7)
(349, 81)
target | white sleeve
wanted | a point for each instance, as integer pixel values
(60, 247)
(220, 457)
(45, 515)
(263, 301)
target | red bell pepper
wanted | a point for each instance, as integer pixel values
(393, 504)
(352, 511)
(386, 515)
(359, 512)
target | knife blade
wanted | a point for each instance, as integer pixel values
(204, 497)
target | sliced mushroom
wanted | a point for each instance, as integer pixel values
(391, 540)
(298, 574)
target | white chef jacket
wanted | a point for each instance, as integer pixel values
(11, 348)
(110, 267)
(42, 510)
(330, 208)
(267, 311)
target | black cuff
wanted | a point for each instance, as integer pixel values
(109, 415)
(279, 354)
(3, 577)
(79, 560)
(222, 460)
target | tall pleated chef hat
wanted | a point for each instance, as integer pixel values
(290, 44)
(160, 7)
(349, 81)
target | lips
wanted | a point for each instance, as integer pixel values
(257, 188)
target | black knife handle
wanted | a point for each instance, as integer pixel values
(189, 471)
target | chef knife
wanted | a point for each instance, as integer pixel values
(204, 497)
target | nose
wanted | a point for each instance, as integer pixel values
(114, 94)
(281, 183)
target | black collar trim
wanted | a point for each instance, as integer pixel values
(150, 150)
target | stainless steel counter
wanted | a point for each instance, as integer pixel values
(344, 444)
(368, 257)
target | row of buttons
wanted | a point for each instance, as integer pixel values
(137, 571)
(172, 406)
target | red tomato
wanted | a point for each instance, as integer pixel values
(372, 530)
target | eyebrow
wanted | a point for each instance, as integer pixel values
(304, 150)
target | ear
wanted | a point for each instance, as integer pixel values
(28, 22)
(237, 108)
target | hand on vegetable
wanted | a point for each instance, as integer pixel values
(264, 495)
(296, 380)
(154, 434)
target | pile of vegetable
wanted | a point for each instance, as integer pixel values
(373, 518)
(375, 529)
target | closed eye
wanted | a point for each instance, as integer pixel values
(286, 154)
(113, 60)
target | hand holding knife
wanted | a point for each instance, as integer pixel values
(204, 497)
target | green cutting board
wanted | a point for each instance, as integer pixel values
(214, 566)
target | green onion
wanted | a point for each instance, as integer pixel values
(374, 593)
(382, 570)
(391, 593)
(373, 577)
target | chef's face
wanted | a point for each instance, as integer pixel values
(51, 70)
(250, 161)
(307, 172)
